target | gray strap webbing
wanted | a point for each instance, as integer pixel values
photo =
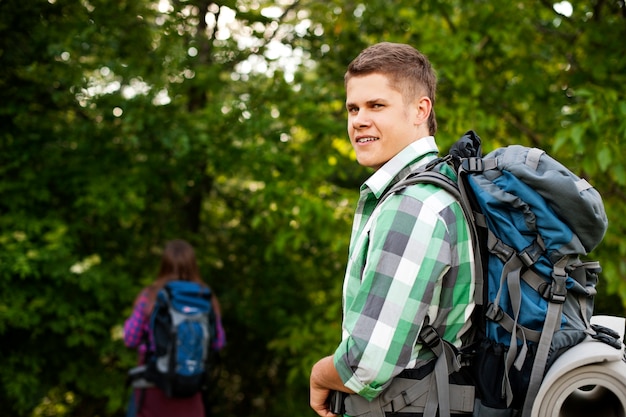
(551, 325)
(436, 398)
(515, 292)
(582, 301)
(582, 185)
(511, 272)
(511, 265)
(409, 396)
(532, 159)
(508, 323)
(579, 274)
(490, 164)
(439, 395)
(474, 220)
(478, 164)
(523, 333)
(142, 383)
(480, 219)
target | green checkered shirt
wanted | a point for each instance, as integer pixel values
(413, 261)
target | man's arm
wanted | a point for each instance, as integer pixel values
(394, 283)
(324, 378)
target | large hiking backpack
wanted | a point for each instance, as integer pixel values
(182, 324)
(532, 221)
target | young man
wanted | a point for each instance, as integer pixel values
(411, 262)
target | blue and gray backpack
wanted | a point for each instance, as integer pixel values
(534, 221)
(183, 325)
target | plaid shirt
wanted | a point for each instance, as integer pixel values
(412, 262)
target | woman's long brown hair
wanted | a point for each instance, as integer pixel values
(178, 263)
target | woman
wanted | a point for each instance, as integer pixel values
(178, 263)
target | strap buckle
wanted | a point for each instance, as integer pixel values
(429, 337)
(473, 164)
(494, 313)
(558, 290)
(531, 254)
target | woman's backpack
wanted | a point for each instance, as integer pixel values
(182, 325)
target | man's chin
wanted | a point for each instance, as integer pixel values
(369, 163)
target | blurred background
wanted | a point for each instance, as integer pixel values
(124, 124)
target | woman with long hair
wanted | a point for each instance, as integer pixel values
(178, 263)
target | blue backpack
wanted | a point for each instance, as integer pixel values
(537, 219)
(532, 221)
(183, 326)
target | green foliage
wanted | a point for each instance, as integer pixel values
(125, 125)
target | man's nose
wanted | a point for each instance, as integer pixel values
(360, 120)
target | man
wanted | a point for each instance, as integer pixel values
(411, 262)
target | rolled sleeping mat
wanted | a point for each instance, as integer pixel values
(587, 380)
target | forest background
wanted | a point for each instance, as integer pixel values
(124, 124)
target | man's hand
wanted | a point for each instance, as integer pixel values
(324, 378)
(319, 401)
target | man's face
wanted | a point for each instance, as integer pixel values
(380, 122)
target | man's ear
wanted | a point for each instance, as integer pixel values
(423, 107)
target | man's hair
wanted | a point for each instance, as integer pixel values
(409, 71)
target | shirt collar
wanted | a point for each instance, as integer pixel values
(416, 154)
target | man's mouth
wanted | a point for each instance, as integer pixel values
(366, 139)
